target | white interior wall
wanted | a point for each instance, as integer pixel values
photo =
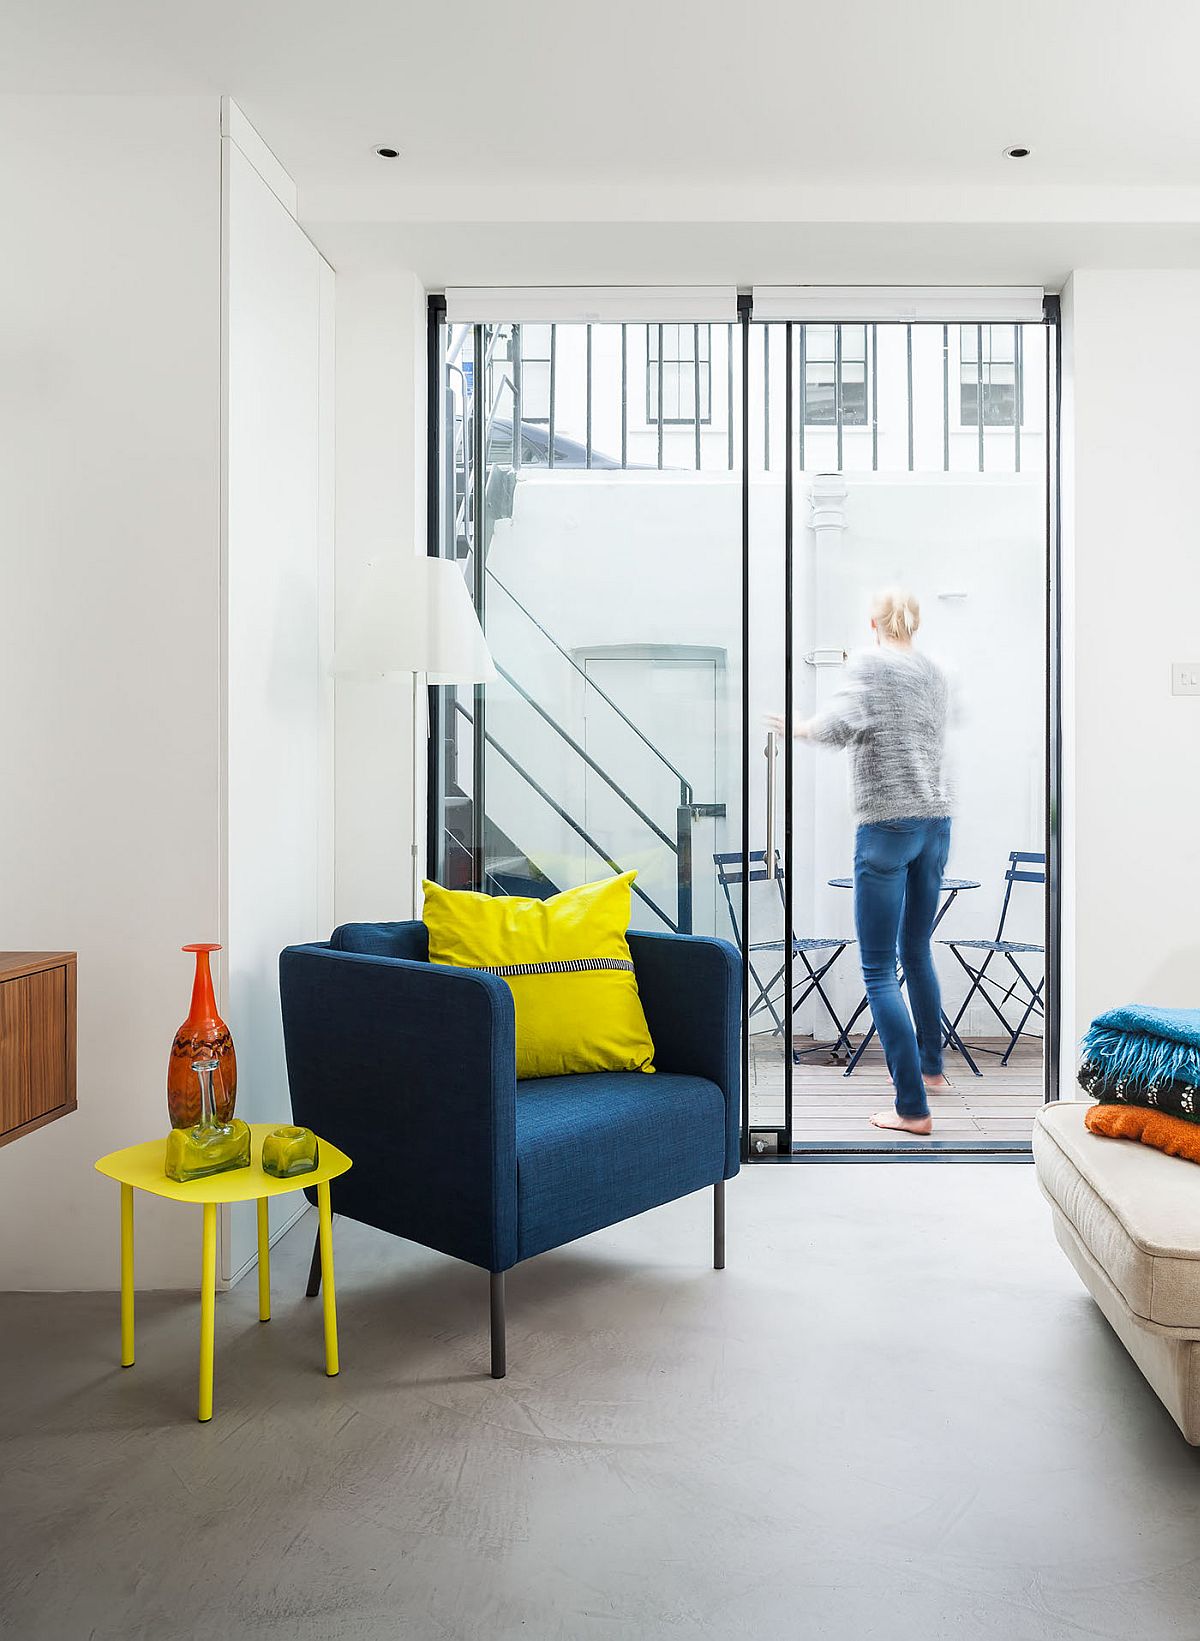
(278, 585)
(109, 437)
(164, 707)
(1132, 449)
(381, 490)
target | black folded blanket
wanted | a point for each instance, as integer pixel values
(1173, 1095)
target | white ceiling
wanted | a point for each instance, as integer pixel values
(744, 254)
(872, 111)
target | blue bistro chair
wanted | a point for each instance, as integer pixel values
(410, 1067)
(729, 876)
(1024, 866)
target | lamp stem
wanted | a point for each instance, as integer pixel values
(416, 742)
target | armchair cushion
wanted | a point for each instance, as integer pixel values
(598, 1148)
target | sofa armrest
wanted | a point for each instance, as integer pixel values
(690, 988)
(411, 1069)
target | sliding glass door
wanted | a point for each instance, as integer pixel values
(590, 488)
(672, 532)
(913, 456)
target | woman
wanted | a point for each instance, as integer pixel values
(892, 713)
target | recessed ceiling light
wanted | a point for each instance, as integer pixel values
(387, 152)
(1016, 153)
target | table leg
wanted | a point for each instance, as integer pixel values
(327, 1293)
(208, 1310)
(264, 1262)
(126, 1276)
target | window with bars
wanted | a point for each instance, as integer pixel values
(682, 347)
(990, 369)
(835, 368)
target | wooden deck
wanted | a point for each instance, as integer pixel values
(832, 1108)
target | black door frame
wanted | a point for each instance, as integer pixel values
(869, 1150)
(787, 1150)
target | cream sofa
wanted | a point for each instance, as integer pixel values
(1128, 1219)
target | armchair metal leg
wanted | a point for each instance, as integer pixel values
(719, 1226)
(499, 1354)
(314, 1271)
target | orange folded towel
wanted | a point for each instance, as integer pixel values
(1174, 1135)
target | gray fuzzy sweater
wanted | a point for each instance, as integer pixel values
(892, 711)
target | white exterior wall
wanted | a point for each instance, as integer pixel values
(638, 559)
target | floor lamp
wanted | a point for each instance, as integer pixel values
(414, 615)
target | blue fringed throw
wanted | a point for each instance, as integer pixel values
(1137, 1047)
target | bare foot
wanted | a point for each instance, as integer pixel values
(906, 1125)
(938, 1084)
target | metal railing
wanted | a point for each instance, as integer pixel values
(682, 925)
(687, 811)
(540, 443)
(685, 786)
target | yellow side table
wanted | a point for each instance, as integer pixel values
(140, 1168)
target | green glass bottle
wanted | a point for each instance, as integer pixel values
(211, 1147)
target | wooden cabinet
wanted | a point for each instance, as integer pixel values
(37, 1040)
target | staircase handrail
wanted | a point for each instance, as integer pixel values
(563, 815)
(686, 793)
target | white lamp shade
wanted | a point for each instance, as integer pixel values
(415, 615)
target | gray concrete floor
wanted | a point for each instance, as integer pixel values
(896, 1414)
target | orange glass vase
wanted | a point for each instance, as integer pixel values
(202, 1036)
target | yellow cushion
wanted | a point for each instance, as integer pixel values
(577, 1006)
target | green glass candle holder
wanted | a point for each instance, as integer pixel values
(290, 1151)
(210, 1147)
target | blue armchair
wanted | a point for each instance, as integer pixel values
(410, 1067)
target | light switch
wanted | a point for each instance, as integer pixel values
(1185, 677)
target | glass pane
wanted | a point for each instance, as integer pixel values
(612, 737)
(916, 511)
(677, 397)
(819, 343)
(535, 341)
(999, 342)
(854, 343)
(819, 393)
(854, 403)
(535, 390)
(999, 403)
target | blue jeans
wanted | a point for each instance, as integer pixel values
(898, 868)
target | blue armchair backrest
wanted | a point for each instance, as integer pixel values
(410, 940)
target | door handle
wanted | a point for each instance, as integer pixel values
(771, 753)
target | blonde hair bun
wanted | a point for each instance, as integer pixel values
(896, 613)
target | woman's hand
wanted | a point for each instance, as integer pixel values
(775, 722)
